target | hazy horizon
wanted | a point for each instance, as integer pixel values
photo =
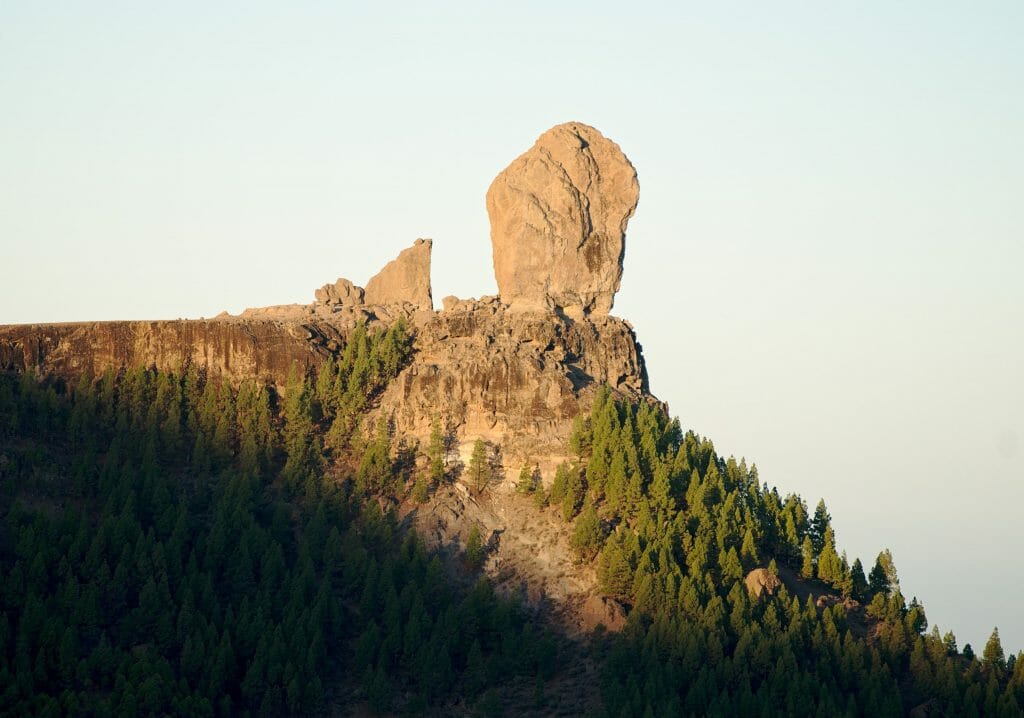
(824, 267)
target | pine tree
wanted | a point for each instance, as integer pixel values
(731, 568)
(587, 535)
(375, 468)
(882, 578)
(949, 641)
(613, 569)
(436, 453)
(420, 490)
(475, 677)
(807, 551)
(819, 525)
(479, 467)
(474, 548)
(858, 582)
(527, 482)
(574, 493)
(560, 485)
(992, 657)
(301, 444)
(748, 550)
(830, 569)
(661, 488)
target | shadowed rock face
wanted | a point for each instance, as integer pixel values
(405, 279)
(558, 222)
(235, 349)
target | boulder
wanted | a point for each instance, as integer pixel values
(601, 611)
(558, 222)
(762, 581)
(341, 292)
(404, 280)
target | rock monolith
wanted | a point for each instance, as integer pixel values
(558, 222)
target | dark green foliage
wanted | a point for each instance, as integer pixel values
(820, 524)
(420, 490)
(171, 545)
(474, 548)
(527, 482)
(992, 657)
(436, 454)
(540, 496)
(587, 534)
(376, 470)
(858, 583)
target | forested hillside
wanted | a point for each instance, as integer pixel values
(172, 544)
(675, 529)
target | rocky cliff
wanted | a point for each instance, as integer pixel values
(514, 379)
(237, 349)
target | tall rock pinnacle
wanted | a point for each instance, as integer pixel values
(558, 222)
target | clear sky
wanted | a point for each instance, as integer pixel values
(825, 268)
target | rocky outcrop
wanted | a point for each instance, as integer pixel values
(483, 367)
(344, 292)
(558, 222)
(602, 611)
(404, 280)
(514, 379)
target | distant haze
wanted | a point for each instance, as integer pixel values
(825, 268)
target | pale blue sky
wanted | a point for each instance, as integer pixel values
(824, 269)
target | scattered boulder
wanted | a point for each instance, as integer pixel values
(829, 600)
(930, 707)
(558, 221)
(404, 280)
(602, 611)
(449, 302)
(761, 581)
(341, 292)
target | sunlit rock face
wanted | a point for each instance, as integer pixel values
(517, 379)
(404, 280)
